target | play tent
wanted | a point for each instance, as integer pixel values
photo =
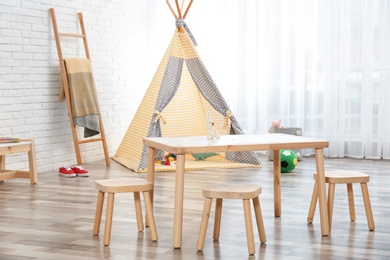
(176, 103)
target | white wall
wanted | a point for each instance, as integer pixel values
(125, 46)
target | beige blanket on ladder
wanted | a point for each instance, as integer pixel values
(83, 96)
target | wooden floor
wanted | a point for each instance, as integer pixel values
(53, 219)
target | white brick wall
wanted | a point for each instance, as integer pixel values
(125, 47)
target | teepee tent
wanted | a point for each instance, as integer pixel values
(176, 103)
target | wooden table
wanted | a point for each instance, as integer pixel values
(13, 148)
(234, 143)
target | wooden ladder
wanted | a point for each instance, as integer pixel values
(65, 83)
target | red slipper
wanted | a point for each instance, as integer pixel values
(66, 172)
(80, 171)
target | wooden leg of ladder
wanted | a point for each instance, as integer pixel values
(103, 135)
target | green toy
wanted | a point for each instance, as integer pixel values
(288, 160)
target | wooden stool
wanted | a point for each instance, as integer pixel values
(112, 186)
(346, 177)
(232, 191)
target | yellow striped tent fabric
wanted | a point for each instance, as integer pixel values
(175, 104)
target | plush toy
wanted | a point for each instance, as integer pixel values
(277, 123)
(212, 133)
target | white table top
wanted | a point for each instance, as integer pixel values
(233, 143)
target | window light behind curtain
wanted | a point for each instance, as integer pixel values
(323, 65)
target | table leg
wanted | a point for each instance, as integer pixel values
(2, 162)
(151, 166)
(32, 163)
(179, 192)
(322, 191)
(150, 176)
(277, 189)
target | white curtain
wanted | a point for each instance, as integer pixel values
(323, 65)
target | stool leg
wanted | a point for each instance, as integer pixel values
(98, 213)
(150, 215)
(351, 202)
(259, 220)
(330, 203)
(204, 223)
(249, 227)
(108, 225)
(217, 219)
(367, 206)
(138, 211)
(313, 203)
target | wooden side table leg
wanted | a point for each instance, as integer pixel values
(2, 162)
(32, 163)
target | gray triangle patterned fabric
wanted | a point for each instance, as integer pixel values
(168, 89)
(211, 93)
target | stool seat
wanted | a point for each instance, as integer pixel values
(348, 178)
(343, 176)
(232, 191)
(121, 185)
(244, 192)
(124, 185)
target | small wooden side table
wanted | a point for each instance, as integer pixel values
(12, 148)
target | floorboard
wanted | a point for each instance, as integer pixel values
(54, 218)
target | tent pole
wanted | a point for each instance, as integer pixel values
(178, 9)
(173, 11)
(188, 8)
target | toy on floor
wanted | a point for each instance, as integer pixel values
(170, 159)
(212, 133)
(288, 160)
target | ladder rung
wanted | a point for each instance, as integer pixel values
(72, 35)
(90, 140)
